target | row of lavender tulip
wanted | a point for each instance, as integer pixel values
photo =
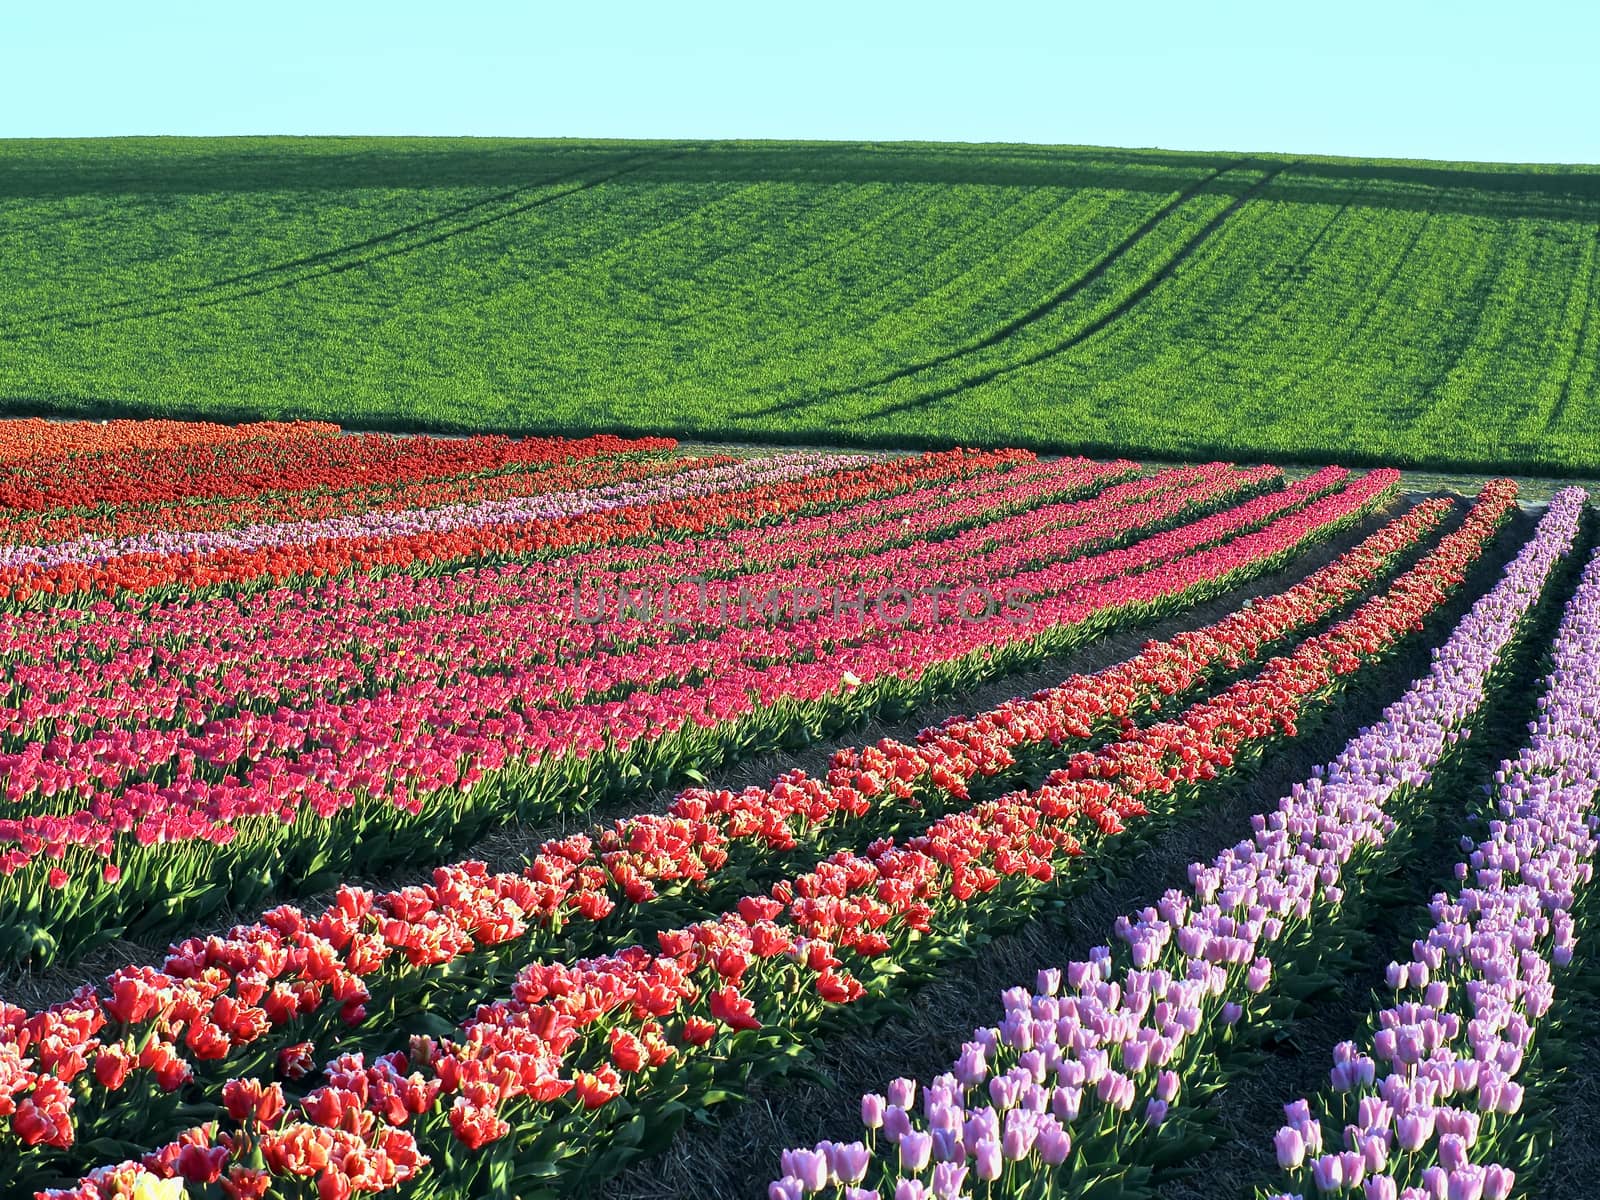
(1045, 1100)
(514, 510)
(1429, 1105)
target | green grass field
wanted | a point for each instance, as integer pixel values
(1065, 298)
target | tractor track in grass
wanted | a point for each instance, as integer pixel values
(277, 277)
(1036, 313)
(1558, 411)
(1119, 310)
(737, 1152)
(507, 847)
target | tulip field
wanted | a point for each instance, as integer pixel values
(488, 817)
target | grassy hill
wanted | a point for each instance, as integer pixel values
(1061, 297)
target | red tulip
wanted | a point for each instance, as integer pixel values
(201, 1164)
(733, 1010)
(475, 1127)
(597, 1088)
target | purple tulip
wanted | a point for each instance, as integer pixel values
(1053, 1144)
(903, 1092)
(1065, 1103)
(987, 1159)
(1510, 1099)
(1374, 1153)
(1135, 1054)
(1327, 1172)
(1452, 1151)
(1167, 1085)
(872, 1110)
(1290, 1144)
(948, 1180)
(1414, 1130)
(1259, 976)
(972, 1068)
(1019, 1136)
(896, 1123)
(810, 1167)
(849, 1161)
(1498, 1181)
(787, 1188)
(915, 1149)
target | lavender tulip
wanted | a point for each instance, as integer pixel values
(915, 1149)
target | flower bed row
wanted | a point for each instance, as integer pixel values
(33, 439)
(290, 459)
(1070, 1092)
(64, 633)
(537, 766)
(709, 844)
(94, 530)
(39, 566)
(626, 1043)
(479, 512)
(753, 505)
(211, 664)
(1428, 1102)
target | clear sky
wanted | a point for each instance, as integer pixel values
(1453, 80)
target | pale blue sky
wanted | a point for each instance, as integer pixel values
(1458, 80)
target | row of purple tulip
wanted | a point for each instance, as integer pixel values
(1429, 1103)
(1070, 1087)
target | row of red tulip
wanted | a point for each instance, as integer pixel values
(357, 495)
(761, 504)
(32, 439)
(291, 460)
(184, 667)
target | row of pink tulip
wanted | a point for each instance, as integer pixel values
(204, 666)
(414, 739)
